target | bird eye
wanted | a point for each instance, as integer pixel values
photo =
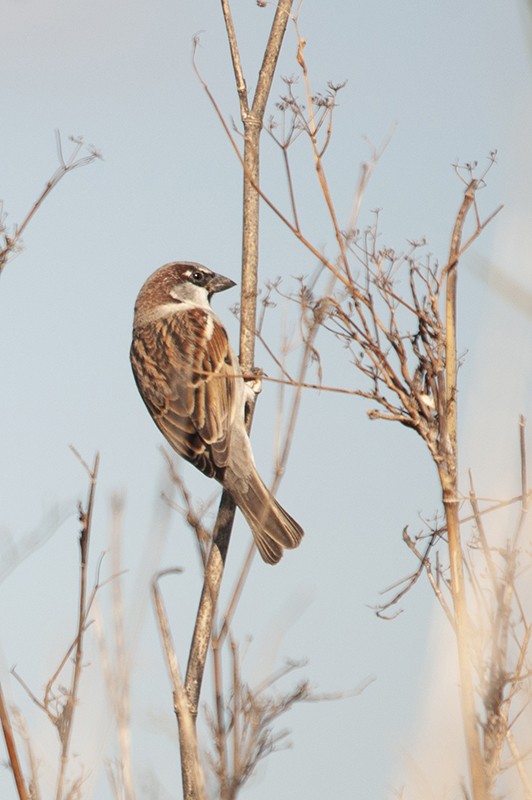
(197, 277)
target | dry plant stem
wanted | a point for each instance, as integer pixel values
(424, 563)
(271, 205)
(200, 642)
(236, 593)
(66, 718)
(518, 758)
(48, 692)
(219, 726)
(237, 687)
(318, 153)
(448, 472)
(500, 683)
(121, 696)
(524, 492)
(32, 760)
(252, 119)
(492, 570)
(11, 747)
(66, 165)
(190, 761)
(209, 596)
(281, 460)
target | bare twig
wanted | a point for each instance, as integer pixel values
(11, 747)
(32, 760)
(305, 241)
(59, 707)
(12, 242)
(448, 471)
(410, 580)
(252, 120)
(187, 729)
(65, 719)
(121, 682)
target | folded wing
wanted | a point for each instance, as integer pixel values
(185, 372)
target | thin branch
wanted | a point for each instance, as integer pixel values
(518, 760)
(11, 747)
(33, 762)
(187, 729)
(66, 165)
(482, 535)
(235, 57)
(448, 471)
(271, 56)
(237, 592)
(219, 726)
(47, 699)
(524, 491)
(297, 233)
(410, 580)
(318, 161)
(65, 719)
(209, 597)
(121, 683)
(253, 124)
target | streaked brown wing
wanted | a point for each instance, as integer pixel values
(183, 367)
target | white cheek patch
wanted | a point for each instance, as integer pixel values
(191, 295)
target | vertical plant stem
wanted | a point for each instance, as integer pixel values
(66, 720)
(220, 726)
(252, 120)
(122, 674)
(250, 244)
(208, 600)
(237, 688)
(11, 747)
(191, 772)
(448, 471)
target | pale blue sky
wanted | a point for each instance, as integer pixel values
(454, 79)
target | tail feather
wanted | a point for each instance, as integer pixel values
(272, 527)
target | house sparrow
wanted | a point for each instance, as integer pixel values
(190, 380)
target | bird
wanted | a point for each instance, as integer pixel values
(190, 380)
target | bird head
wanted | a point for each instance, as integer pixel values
(175, 284)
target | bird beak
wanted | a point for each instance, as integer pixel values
(218, 283)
